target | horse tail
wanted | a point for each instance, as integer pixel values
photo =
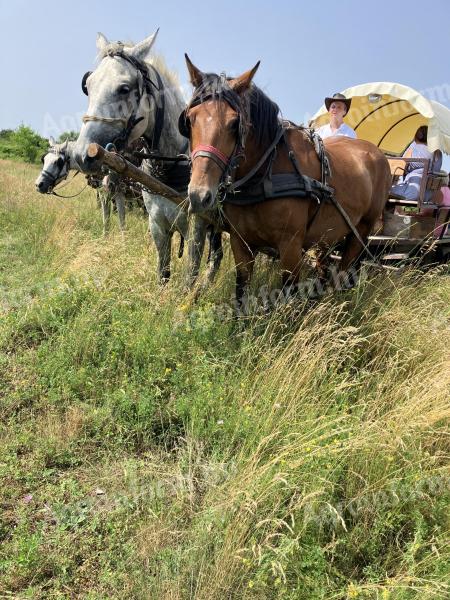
(181, 248)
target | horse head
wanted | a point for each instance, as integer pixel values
(216, 121)
(122, 97)
(56, 166)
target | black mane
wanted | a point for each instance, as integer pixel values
(256, 110)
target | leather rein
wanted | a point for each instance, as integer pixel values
(154, 90)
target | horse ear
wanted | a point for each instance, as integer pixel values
(101, 42)
(242, 83)
(52, 141)
(142, 50)
(195, 74)
(66, 143)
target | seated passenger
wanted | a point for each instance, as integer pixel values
(409, 186)
(337, 107)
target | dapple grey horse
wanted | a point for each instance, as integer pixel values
(131, 95)
(57, 163)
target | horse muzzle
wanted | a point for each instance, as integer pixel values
(201, 200)
(43, 185)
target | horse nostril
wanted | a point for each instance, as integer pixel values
(206, 199)
(40, 185)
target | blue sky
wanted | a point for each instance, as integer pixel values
(307, 49)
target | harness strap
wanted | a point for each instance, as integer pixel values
(325, 169)
(160, 107)
(161, 157)
(211, 152)
(237, 184)
(353, 229)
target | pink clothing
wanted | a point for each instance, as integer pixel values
(441, 199)
(445, 196)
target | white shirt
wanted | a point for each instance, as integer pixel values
(345, 130)
(416, 150)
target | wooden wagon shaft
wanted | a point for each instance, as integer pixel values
(125, 168)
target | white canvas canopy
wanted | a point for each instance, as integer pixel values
(389, 114)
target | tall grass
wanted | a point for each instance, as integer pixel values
(151, 446)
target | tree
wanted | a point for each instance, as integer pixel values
(22, 144)
(28, 144)
(72, 136)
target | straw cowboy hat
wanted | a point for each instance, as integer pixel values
(338, 98)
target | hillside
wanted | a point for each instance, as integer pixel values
(155, 447)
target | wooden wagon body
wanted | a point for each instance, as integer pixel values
(388, 115)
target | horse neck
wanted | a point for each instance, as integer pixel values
(73, 165)
(171, 141)
(304, 151)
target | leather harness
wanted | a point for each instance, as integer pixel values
(270, 186)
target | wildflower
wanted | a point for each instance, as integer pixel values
(277, 405)
(168, 370)
(220, 422)
(184, 307)
(352, 591)
(251, 584)
(385, 594)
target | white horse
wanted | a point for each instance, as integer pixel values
(57, 163)
(131, 95)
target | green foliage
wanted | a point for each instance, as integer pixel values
(154, 447)
(72, 136)
(22, 144)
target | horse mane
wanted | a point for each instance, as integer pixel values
(156, 60)
(255, 108)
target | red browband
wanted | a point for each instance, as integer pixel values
(203, 148)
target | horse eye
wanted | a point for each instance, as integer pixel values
(233, 125)
(60, 163)
(124, 89)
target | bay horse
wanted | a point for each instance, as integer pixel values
(235, 133)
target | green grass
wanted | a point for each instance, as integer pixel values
(150, 449)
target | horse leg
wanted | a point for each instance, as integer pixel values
(215, 254)
(197, 237)
(163, 242)
(290, 260)
(105, 200)
(120, 204)
(245, 261)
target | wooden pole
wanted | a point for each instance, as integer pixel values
(125, 168)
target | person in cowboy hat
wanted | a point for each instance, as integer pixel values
(337, 106)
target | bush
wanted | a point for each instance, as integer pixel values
(22, 144)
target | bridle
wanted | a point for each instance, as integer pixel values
(154, 90)
(55, 179)
(227, 164)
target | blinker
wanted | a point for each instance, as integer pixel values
(83, 82)
(184, 125)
